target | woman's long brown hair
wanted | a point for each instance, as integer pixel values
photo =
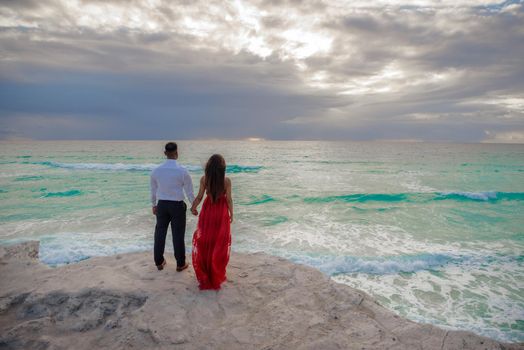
(215, 176)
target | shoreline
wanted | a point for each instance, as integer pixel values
(268, 302)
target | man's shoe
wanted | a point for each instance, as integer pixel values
(182, 268)
(161, 266)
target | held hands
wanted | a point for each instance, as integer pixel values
(194, 211)
(154, 210)
(230, 217)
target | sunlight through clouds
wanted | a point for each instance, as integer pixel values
(348, 67)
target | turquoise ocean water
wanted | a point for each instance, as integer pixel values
(434, 232)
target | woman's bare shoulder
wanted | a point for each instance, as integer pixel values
(228, 181)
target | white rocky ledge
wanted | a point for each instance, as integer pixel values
(123, 302)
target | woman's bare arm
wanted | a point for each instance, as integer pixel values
(199, 197)
(229, 199)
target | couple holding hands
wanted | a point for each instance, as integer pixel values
(212, 237)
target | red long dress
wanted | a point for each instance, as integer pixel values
(212, 243)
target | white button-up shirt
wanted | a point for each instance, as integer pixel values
(169, 181)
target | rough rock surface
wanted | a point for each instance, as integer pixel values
(123, 302)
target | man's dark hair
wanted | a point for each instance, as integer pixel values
(171, 147)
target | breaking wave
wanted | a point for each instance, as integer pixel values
(234, 168)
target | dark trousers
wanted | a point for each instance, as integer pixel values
(175, 213)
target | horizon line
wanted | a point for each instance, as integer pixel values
(254, 140)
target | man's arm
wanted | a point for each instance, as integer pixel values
(154, 187)
(188, 187)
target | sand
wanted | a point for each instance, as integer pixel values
(123, 302)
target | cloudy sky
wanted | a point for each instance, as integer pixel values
(447, 70)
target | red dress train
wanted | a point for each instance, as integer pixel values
(212, 243)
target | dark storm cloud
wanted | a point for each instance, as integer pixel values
(159, 106)
(276, 69)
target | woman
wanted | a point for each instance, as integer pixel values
(212, 238)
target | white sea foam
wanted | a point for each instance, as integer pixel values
(105, 166)
(378, 265)
(232, 168)
(67, 248)
(319, 234)
(472, 295)
(112, 166)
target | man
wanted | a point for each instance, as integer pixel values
(169, 181)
